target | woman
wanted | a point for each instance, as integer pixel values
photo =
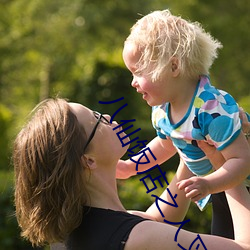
(65, 188)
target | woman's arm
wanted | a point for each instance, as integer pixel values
(161, 236)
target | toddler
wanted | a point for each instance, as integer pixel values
(170, 59)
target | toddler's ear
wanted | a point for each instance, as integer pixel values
(175, 66)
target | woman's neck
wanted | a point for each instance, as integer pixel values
(102, 189)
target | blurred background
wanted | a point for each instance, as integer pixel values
(72, 48)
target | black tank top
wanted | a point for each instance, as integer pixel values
(102, 229)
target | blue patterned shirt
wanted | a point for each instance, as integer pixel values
(213, 115)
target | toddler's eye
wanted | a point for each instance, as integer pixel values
(137, 73)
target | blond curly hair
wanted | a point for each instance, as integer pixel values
(160, 36)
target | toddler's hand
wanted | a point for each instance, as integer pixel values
(123, 171)
(194, 187)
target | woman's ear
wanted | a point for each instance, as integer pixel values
(175, 66)
(90, 161)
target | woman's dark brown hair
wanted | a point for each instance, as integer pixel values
(49, 182)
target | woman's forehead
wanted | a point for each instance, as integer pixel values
(78, 108)
(82, 113)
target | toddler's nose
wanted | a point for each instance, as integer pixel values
(134, 83)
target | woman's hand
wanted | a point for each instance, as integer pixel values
(245, 124)
(215, 157)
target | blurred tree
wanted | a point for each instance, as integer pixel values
(57, 44)
(228, 21)
(244, 102)
(5, 123)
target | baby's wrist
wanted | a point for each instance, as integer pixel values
(209, 185)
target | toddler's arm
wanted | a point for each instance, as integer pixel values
(162, 150)
(175, 214)
(234, 171)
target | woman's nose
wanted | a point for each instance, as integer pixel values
(108, 117)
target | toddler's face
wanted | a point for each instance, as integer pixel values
(152, 92)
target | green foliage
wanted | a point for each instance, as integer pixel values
(5, 123)
(199, 221)
(133, 194)
(230, 71)
(245, 103)
(74, 47)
